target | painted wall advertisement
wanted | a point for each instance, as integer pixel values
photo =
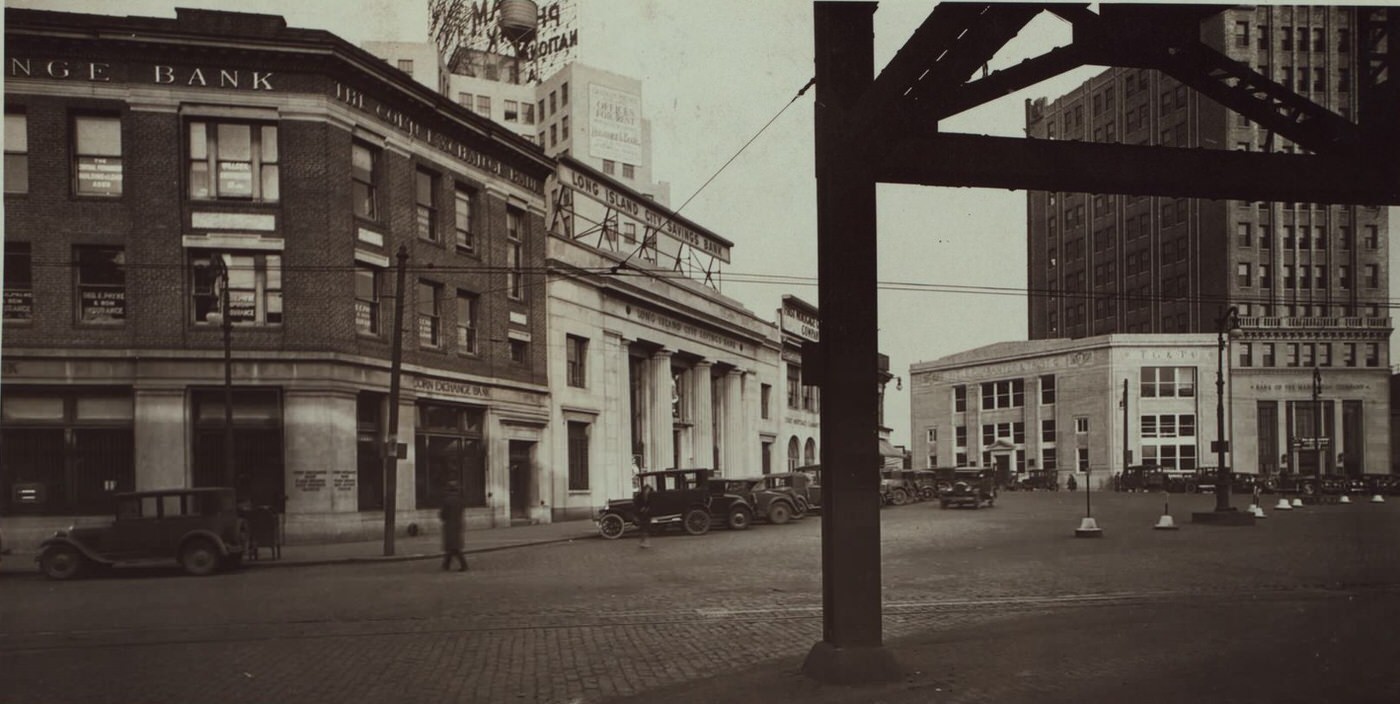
(615, 125)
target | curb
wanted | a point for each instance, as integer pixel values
(247, 564)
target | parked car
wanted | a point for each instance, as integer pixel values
(969, 487)
(681, 497)
(813, 473)
(1037, 479)
(897, 487)
(200, 529)
(925, 483)
(732, 502)
(776, 498)
(1143, 477)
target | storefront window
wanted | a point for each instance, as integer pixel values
(449, 448)
(257, 443)
(65, 452)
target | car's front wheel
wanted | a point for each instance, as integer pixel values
(899, 497)
(611, 526)
(200, 558)
(779, 513)
(62, 562)
(697, 521)
(740, 518)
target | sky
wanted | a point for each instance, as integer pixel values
(713, 74)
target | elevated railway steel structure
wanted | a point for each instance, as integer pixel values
(885, 129)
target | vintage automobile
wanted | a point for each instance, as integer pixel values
(813, 488)
(732, 502)
(681, 497)
(776, 498)
(1040, 479)
(1311, 484)
(200, 529)
(925, 483)
(897, 487)
(969, 487)
(1143, 477)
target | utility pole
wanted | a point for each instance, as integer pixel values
(1127, 454)
(391, 445)
(1317, 422)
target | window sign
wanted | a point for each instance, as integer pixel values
(101, 284)
(235, 179)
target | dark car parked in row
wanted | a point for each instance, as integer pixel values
(680, 497)
(968, 487)
(200, 529)
(777, 498)
(732, 502)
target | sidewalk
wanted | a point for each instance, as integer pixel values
(423, 547)
(426, 547)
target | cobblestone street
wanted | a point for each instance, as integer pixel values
(1007, 604)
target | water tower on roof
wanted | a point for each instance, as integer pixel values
(519, 21)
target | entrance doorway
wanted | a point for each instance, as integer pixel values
(1002, 463)
(521, 478)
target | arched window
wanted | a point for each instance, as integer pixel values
(794, 453)
(810, 454)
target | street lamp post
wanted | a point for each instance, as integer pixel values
(1317, 421)
(225, 322)
(1227, 324)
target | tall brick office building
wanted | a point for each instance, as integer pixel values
(1310, 281)
(143, 153)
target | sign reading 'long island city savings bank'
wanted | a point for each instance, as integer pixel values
(656, 219)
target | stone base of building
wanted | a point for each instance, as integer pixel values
(1228, 517)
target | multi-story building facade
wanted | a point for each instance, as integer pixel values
(1310, 281)
(157, 167)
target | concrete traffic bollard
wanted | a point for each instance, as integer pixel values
(1258, 511)
(1283, 505)
(1165, 522)
(1377, 499)
(1344, 500)
(1088, 528)
(1297, 502)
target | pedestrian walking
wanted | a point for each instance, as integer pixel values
(642, 501)
(453, 506)
(1071, 484)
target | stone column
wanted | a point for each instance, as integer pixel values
(161, 445)
(703, 435)
(736, 432)
(660, 447)
(322, 465)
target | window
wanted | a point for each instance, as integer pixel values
(527, 112)
(16, 152)
(1047, 430)
(1242, 274)
(553, 135)
(1324, 354)
(1285, 35)
(233, 161)
(1242, 34)
(468, 312)
(765, 398)
(1246, 355)
(553, 103)
(1003, 394)
(564, 94)
(1373, 358)
(462, 200)
(564, 127)
(1083, 459)
(575, 352)
(1167, 382)
(483, 106)
(465, 100)
(367, 281)
(578, 456)
(1372, 238)
(425, 196)
(1349, 354)
(1344, 277)
(1290, 354)
(1320, 275)
(1047, 389)
(794, 386)
(1266, 237)
(254, 282)
(1047, 458)
(406, 65)
(512, 113)
(1372, 276)
(1267, 349)
(519, 351)
(629, 171)
(1343, 40)
(1319, 40)
(931, 436)
(514, 254)
(429, 314)
(959, 398)
(609, 167)
(97, 156)
(364, 175)
(19, 282)
(1081, 425)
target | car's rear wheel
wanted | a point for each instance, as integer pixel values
(697, 521)
(740, 518)
(899, 497)
(611, 526)
(779, 513)
(801, 509)
(200, 558)
(62, 562)
(1309, 489)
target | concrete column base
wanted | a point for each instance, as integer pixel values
(831, 664)
(1223, 518)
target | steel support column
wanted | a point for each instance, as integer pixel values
(851, 649)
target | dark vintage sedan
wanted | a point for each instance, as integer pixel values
(779, 498)
(199, 529)
(680, 497)
(732, 502)
(813, 472)
(969, 487)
